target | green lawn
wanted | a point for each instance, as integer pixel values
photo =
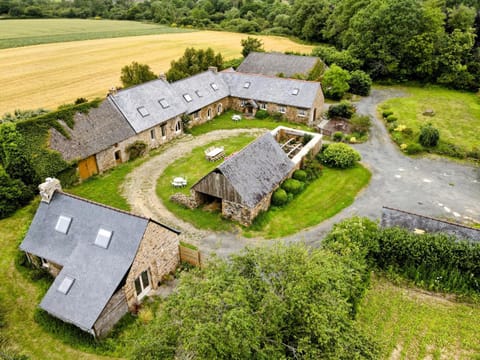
(25, 32)
(457, 114)
(419, 325)
(225, 121)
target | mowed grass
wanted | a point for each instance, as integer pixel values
(25, 32)
(457, 114)
(53, 74)
(412, 324)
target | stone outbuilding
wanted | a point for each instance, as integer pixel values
(104, 260)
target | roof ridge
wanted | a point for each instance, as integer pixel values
(269, 76)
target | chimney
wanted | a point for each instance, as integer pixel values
(213, 69)
(162, 76)
(48, 188)
(112, 91)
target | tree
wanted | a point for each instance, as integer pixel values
(193, 62)
(360, 83)
(335, 82)
(343, 110)
(135, 74)
(13, 194)
(272, 303)
(429, 135)
(251, 44)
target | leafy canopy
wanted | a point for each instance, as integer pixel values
(193, 62)
(135, 74)
(251, 44)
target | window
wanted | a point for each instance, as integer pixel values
(196, 115)
(302, 112)
(152, 134)
(187, 98)
(219, 109)
(282, 109)
(142, 285)
(44, 262)
(164, 131)
(118, 156)
(263, 106)
(199, 93)
(209, 114)
(103, 238)
(63, 224)
(144, 112)
(164, 103)
(246, 85)
(66, 285)
(214, 86)
(178, 127)
(295, 91)
(243, 103)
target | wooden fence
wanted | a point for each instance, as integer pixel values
(190, 256)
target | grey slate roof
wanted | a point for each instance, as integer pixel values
(272, 89)
(148, 96)
(257, 169)
(97, 271)
(199, 88)
(93, 132)
(273, 64)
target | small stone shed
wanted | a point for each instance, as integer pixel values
(104, 260)
(243, 184)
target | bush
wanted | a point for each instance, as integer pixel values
(387, 113)
(261, 114)
(306, 139)
(391, 118)
(136, 150)
(360, 83)
(360, 124)
(452, 150)
(313, 168)
(292, 186)
(343, 110)
(279, 197)
(13, 194)
(414, 148)
(340, 155)
(338, 136)
(429, 135)
(474, 154)
(277, 116)
(300, 175)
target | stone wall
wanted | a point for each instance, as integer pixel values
(393, 217)
(53, 268)
(243, 214)
(189, 201)
(216, 108)
(111, 314)
(157, 253)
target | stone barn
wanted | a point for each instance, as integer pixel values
(104, 260)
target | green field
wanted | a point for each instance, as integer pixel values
(25, 32)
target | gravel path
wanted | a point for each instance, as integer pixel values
(433, 187)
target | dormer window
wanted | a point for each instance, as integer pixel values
(214, 86)
(164, 103)
(199, 93)
(103, 238)
(63, 224)
(246, 85)
(144, 112)
(66, 285)
(187, 97)
(295, 91)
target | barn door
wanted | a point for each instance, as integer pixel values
(87, 167)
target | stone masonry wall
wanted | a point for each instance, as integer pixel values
(243, 214)
(203, 113)
(158, 253)
(111, 314)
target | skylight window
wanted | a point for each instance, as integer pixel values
(103, 238)
(246, 85)
(295, 91)
(187, 98)
(144, 112)
(63, 224)
(164, 103)
(214, 86)
(199, 93)
(66, 285)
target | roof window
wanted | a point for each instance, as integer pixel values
(144, 112)
(295, 91)
(187, 98)
(246, 85)
(164, 103)
(63, 224)
(214, 86)
(199, 93)
(66, 285)
(103, 238)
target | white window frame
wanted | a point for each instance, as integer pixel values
(187, 98)
(178, 127)
(196, 115)
(209, 113)
(282, 109)
(145, 288)
(44, 262)
(302, 112)
(163, 129)
(263, 106)
(153, 136)
(219, 109)
(143, 111)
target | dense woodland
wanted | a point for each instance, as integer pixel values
(432, 41)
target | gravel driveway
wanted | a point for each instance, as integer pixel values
(433, 187)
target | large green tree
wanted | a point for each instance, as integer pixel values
(251, 44)
(135, 74)
(335, 82)
(276, 303)
(193, 62)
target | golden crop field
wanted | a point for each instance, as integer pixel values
(53, 74)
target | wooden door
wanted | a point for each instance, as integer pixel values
(87, 167)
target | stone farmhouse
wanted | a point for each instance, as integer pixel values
(274, 64)
(152, 113)
(104, 260)
(244, 183)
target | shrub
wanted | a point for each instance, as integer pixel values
(306, 139)
(429, 135)
(136, 149)
(360, 83)
(387, 113)
(338, 136)
(391, 118)
(300, 175)
(414, 148)
(360, 124)
(474, 154)
(340, 155)
(313, 168)
(279, 197)
(293, 186)
(277, 116)
(261, 114)
(344, 110)
(80, 100)
(452, 150)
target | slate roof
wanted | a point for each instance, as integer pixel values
(199, 88)
(272, 89)
(257, 169)
(146, 98)
(98, 272)
(273, 64)
(93, 132)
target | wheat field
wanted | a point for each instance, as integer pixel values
(50, 75)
